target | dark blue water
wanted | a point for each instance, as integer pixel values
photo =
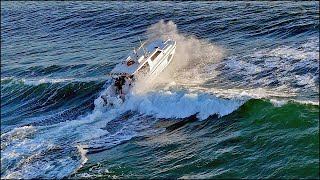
(240, 99)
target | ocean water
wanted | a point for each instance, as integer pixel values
(240, 99)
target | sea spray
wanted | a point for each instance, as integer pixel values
(191, 57)
(271, 52)
(62, 145)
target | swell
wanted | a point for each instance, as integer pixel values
(281, 111)
(30, 70)
(265, 127)
(273, 20)
(71, 29)
(45, 103)
(97, 131)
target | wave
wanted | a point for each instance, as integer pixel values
(8, 81)
(287, 114)
(63, 124)
(65, 144)
(39, 102)
(167, 104)
(50, 152)
(292, 68)
(70, 71)
(282, 68)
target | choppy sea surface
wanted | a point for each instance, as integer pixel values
(240, 99)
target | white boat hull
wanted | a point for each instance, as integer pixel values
(162, 64)
(154, 58)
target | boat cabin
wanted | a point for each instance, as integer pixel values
(140, 59)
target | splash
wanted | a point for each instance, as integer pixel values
(53, 151)
(191, 57)
(181, 104)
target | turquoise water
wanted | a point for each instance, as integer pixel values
(240, 99)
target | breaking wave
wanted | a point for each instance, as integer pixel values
(52, 123)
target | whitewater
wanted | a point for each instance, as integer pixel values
(200, 112)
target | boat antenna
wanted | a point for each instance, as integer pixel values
(141, 45)
(135, 52)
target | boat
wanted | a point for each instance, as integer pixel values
(144, 63)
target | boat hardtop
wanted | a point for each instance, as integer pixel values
(136, 59)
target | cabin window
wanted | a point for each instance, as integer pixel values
(166, 47)
(155, 55)
(169, 57)
(145, 68)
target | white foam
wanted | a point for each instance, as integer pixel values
(282, 68)
(167, 104)
(28, 150)
(5, 78)
(306, 79)
(315, 103)
(241, 66)
(293, 53)
(35, 152)
(36, 82)
(45, 80)
(83, 153)
(278, 103)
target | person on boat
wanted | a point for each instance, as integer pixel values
(122, 80)
(131, 78)
(127, 85)
(117, 83)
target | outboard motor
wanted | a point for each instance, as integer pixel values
(112, 101)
